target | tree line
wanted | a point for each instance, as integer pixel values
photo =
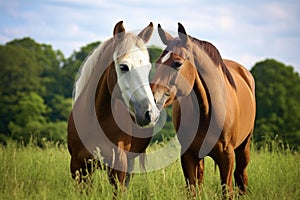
(37, 82)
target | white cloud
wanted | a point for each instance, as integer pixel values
(277, 10)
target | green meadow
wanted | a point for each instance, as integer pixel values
(34, 173)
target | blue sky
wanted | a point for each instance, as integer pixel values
(245, 31)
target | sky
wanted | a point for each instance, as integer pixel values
(244, 31)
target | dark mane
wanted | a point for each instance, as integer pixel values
(215, 55)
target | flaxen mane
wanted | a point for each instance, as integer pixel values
(87, 68)
(215, 56)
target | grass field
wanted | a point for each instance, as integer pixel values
(34, 173)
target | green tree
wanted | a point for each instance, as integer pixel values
(20, 73)
(50, 62)
(60, 108)
(154, 53)
(30, 121)
(278, 102)
(29, 116)
(32, 100)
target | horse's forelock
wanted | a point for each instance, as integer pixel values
(127, 43)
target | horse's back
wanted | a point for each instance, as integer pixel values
(237, 69)
(245, 100)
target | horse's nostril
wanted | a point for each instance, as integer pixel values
(154, 100)
(148, 115)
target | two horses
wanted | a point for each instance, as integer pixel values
(213, 106)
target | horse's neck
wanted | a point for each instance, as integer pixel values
(103, 95)
(202, 97)
(102, 100)
(210, 87)
(105, 84)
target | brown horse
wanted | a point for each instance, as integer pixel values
(114, 109)
(213, 107)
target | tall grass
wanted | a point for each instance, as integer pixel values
(34, 173)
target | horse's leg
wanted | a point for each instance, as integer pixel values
(189, 166)
(225, 161)
(80, 169)
(117, 173)
(242, 156)
(75, 168)
(200, 173)
(128, 175)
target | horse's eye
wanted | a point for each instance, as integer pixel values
(124, 67)
(177, 65)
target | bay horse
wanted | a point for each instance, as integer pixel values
(114, 109)
(214, 96)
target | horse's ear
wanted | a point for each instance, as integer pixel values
(146, 33)
(182, 33)
(164, 36)
(119, 30)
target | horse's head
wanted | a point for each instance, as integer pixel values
(132, 66)
(175, 68)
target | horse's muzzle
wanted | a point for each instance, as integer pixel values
(146, 114)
